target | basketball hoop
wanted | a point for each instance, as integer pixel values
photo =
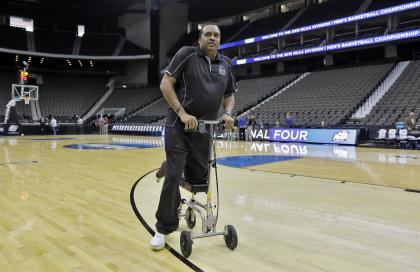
(27, 99)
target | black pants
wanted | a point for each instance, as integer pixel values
(242, 134)
(186, 153)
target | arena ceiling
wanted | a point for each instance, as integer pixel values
(69, 6)
(198, 9)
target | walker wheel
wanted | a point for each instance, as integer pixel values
(186, 243)
(231, 238)
(190, 218)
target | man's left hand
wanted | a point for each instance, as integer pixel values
(228, 121)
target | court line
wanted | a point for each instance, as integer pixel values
(152, 232)
(341, 180)
(19, 162)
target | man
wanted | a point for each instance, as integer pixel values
(79, 123)
(242, 127)
(289, 120)
(54, 125)
(251, 125)
(410, 122)
(42, 123)
(194, 84)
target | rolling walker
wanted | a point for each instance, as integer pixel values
(208, 212)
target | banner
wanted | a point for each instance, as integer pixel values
(322, 136)
(330, 47)
(339, 21)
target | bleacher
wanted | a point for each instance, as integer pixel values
(364, 33)
(191, 38)
(131, 98)
(230, 30)
(402, 98)
(326, 95)
(58, 42)
(152, 113)
(65, 95)
(327, 11)
(266, 25)
(130, 49)
(380, 4)
(95, 44)
(253, 91)
(187, 39)
(16, 38)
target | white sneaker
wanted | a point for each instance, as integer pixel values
(158, 241)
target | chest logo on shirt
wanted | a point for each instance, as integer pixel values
(222, 70)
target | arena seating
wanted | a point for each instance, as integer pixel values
(253, 91)
(187, 39)
(16, 38)
(131, 98)
(130, 48)
(380, 4)
(65, 95)
(229, 31)
(364, 33)
(96, 44)
(326, 95)
(191, 38)
(54, 41)
(266, 25)
(151, 113)
(327, 11)
(400, 99)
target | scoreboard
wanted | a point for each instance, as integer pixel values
(23, 77)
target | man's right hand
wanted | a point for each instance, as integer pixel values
(190, 121)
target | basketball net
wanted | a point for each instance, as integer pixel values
(27, 99)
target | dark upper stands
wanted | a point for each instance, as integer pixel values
(62, 42)
(191, 38)
(365, 33)
(229, 31)
(327, 11)
(95, 44)
(54, 41)
(401, 98)
(187, 39)
(16, 38)
(328, 95)
(266, 25)
(380, 4)
(131, 99)
(130, 49)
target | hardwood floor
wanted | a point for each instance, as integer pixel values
(69, 209)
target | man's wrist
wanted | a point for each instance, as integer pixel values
(178, 109)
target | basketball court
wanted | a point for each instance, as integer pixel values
(87, 203)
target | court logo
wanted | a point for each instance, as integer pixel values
(13, 128)
(222, 70)
(341, 136)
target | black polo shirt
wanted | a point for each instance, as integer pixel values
(201, 83)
